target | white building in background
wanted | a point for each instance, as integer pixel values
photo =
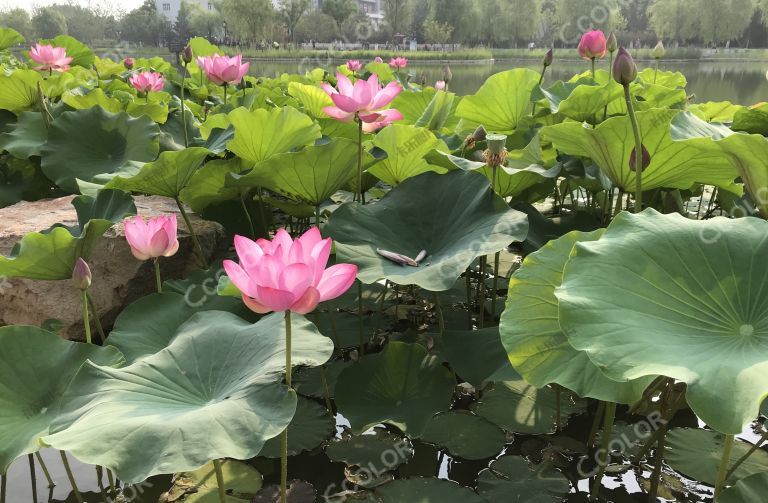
(170, 8)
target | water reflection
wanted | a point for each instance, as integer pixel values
(739, 82)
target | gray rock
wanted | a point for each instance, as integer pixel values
(118, 278)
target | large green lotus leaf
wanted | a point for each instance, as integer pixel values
(509, 478)
(167, 176)
(715, 111)
(312, 97)
(464, 435)
(313, 174)
(209, 184)
(586, 102)
(751, 489)
(214, 392)
(96, 97)
(477, 356)
(673, 80)
(746, 153)
(82, 54)
(260, 134)
(454, 217)
(158, 112)
(23, 181)
(51, 254)
(425, 490)
(379, 451)
(402, 386)
(202, 47)
(520, 407)
(36, 367)
(241, 482)
(311, 426)
(697, 453)
(531, 334)
(752, 120)
(665, 295)
(18, 91)
(650, 96)
(440, 113)
(413, 104)
(9, 37)
(406, 147)
(27, 138)
(673, 164)
(85, 143)
(502, 101)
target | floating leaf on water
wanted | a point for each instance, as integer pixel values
(464, 435)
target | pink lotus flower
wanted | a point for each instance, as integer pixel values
(377, 59)
(398, 63)
(147, 81)
(593, 45)
(222, 69)
(128, 63)
(364, 100)
(354, 65)
(286, 274)
(50, 58)
(440, 85)
(153, 239)
(386, 117)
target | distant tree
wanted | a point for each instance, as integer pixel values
(291, 12)
(339, 10)
(397, 13)
(143, 25)
(522, 19)
(85, 24)
(181, 27)
(722, 21)
(578, 16)
(19, 20)
(462, 15)
(49, 22)
(247, 20)
(419, 16)
(317, 26)
(204, 22)
(636, 14)
(436, 32)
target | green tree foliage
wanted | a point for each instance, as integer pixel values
(316, 25)
(397, 13)
(291, 12)
(715, 22)
(339, 10)
(204, 22)
(143, 25)
(578, 16)
(48, 22)
(247, 20)
(19, 20)
(436, 32)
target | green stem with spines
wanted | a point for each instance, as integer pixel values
(158, 280)
(183, 114)
(360, 159)
(45, 469)
(724, 460)
(32, 476)
(638, 151)
(86, 319)
(360, 315)
(284, 435)
(191, 230)
(95, 316)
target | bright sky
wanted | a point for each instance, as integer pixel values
(112, 5)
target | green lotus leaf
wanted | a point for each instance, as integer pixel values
(209, 184)
(464, 435)
(96, 97)
(214, 392)
(9, 37)
(378, 452)
(406, 147)
(313, 174)
(413, 105)
(751, 489)
(715, 111)
(18, 91)
(402, 386)
(753, 120)
(664, 78)
(746, 153)
(86, 143)
(673, 164)
(650, 96)
(311, 426)
(477, 356)
(586, 102)
(51, 254)
(31, 386)
(440, 112)
(82, 54)
(167, 176)
(202, 47)
(520, 407)
(23, 181)
(665, 295)
(454, 217)
(158, 112)
(696, 453)
(312, 97)
(425, 490)
(502, 101)
(260, 134)
(241, 482)
(509, 478)
(27, 138)
(200, 291)
(532, 336)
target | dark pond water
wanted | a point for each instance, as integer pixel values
(742, 83)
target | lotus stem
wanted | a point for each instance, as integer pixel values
(157, 276)
(439, 312)
(638, 152)
(183, 113)
(284, 436)
(610, 66)
(594, 78)
(481, 293)
(599, 413)
(262, 215)
(191, 230)
(360, 315)
(95, 316)
(220, 481)
(326, 391)
(360, 160)
(610, 415)
(670, 413)
(541, 79)
(662, 434)
(3, 483)
(468, 281)
(558, 412)
(45, 469)
(225, 92)
(247, 214)
(384, 296)
(317, 216)
(494, 294)
(32, 476)
(86, 321)
(751, 451)
(71, 477)
(724, 460)
(111, 479)
(656, 70)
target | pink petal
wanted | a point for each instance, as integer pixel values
(296, 278)
(319, 258)
(349, 105)
(240, 278)
(336, 280)
(158, 243)
(386, 95)
(274, 299)
(329, 89)
(344, 85)
(255, 306)
(308, 302)
(362, 94)
(249, 252)
(338, 113)
(310, 238)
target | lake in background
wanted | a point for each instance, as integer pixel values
(742, 83)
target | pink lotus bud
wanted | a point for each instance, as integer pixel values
(549, 57)
(153, 239)
(646, 159)
(186, 54)
(659, 51)
(128, 63)
(354, 65)
(440, 85)
(593, 45)
(624, 68)
(378, 60)
(81, 275)
(398, 63)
